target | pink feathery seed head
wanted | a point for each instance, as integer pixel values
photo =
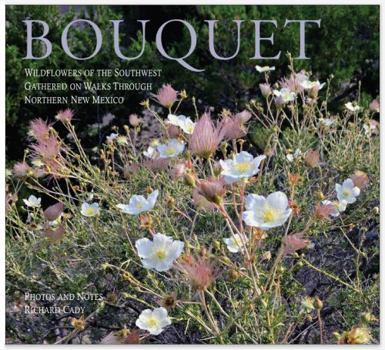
(212, 189)
(47, 149)
(157, 164)
(294, 82)
(360, 179)
(178, 170)
(39, 129)
(201, 202)
(65, 116)
(166, 95)
(21, 169)
(173, 131)
(374, 106)
(294, 242)
(54, 234)
(130, 169)
(234, 126)
(199, 271)
(324, 211)
(206, 137)
(243, 116)
(53, 211)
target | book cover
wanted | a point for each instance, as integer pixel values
(192, 174)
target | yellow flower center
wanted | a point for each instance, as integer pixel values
(139, 205)
(346, 193)
(238, 241)
(190, 128)
(90, 211)
(269, 215)
(161, 254)
(152, 322)
(170, 150)
(242, 167)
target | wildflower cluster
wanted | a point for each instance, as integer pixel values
(209, 223)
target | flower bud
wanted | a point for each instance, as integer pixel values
(134, 120)
(318, 304)
(189, 179)
(265, 90)
(312, 158)
(234, 275)
(53, 211)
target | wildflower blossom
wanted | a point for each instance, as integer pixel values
(90, 210)
(235, 243)
(138, 204)
(160, 253)
(170, 149)
(206, 137)
(284, 95)
(352, 107)
(32, 201)
(185, 123)
(264, 69)
(153, 321)
(347, 191)
(65, 116)
(244, 165)
(166, 96)
(266, 213)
